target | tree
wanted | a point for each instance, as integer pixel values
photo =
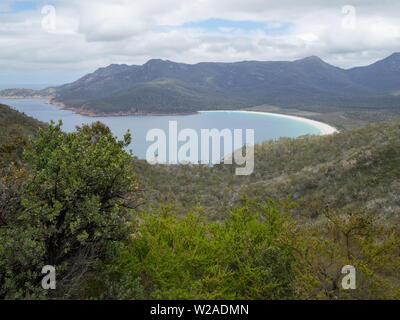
(79, 193)
(338, 239)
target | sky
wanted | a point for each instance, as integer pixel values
(55, 42)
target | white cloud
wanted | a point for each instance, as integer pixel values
(308, 37)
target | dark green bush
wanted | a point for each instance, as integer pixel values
(74, 198)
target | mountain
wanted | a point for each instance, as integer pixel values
(383, 75)
(163, 86)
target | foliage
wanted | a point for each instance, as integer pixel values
(13, 123)
(69, 200)
(350, 170)
(192, 258)
(323, 247)
(75, 197)
(20, 251)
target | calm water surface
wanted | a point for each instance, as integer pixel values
(266, 127)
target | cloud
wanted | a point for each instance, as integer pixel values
(5, 6)
(308, 37)
(92, 34)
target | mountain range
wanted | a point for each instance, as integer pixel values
(163, 86)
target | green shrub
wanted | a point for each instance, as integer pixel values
(369, 243)
(192, 258)
(74, 198)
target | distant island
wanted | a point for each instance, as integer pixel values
(165, 87)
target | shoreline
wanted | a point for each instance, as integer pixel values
(325, 128)
(92, 114)
(23, 97)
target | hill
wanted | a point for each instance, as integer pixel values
(13, 123)
(355, 169)
(168, 87)
(382, 75)
(123, 229)
(15, 129)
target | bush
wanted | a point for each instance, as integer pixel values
(76, 198)
(368, 242)
(192, 258)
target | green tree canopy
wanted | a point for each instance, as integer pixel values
(77, 198)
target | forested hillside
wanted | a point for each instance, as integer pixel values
(353, 169)
(15, 129)
(13, 123)
(163, 86)
(118, 228)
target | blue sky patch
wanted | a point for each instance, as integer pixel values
(226, 26)
(20, 6)
(220, 24)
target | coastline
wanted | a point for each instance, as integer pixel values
(23, 97)
(89, 113)
(325, 128)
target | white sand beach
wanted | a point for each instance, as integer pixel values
(325, 129)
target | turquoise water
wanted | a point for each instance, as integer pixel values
(266, 127)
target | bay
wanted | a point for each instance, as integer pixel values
(265, 126)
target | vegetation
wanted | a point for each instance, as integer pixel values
(160, 96)
(65, 207)
(355, 169)
(259, 252)
(14, 132)
(13, 123)
(192, 258)
(116, 227)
